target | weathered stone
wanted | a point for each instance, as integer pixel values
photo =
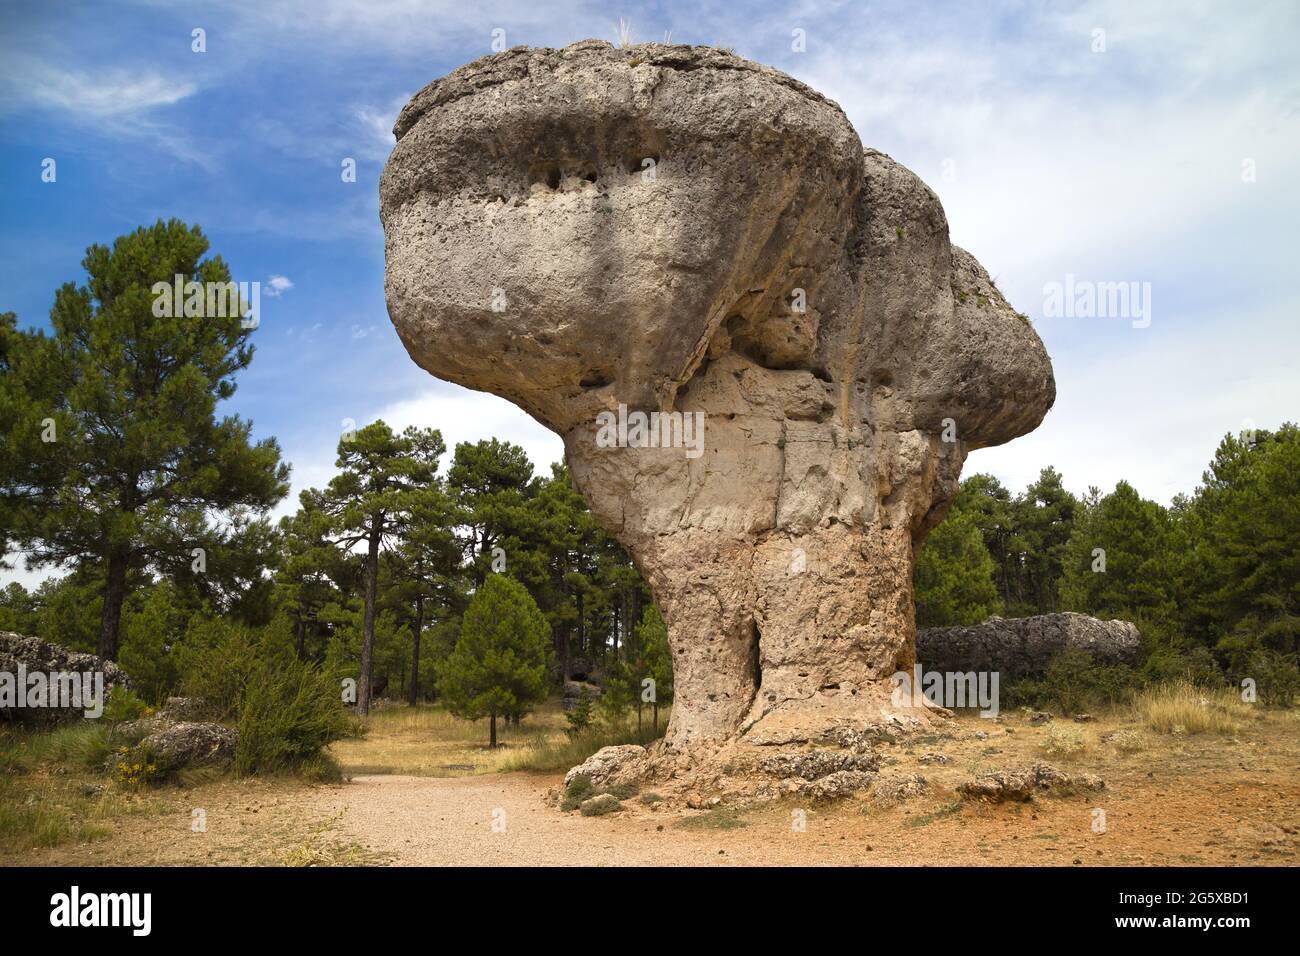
(1024, 646)
(30, 655)
(592, 232)
(892, 790)
(1020, 785)
(611, 765)
(838, 786)
(816, 764)
(185, 708)
(190, 744)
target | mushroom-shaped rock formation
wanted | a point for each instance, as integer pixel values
(597, 234)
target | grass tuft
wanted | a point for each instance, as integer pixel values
(1182, 707)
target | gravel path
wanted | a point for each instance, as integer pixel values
(501, 820)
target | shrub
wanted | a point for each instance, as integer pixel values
(579, 717)
(1074, 682)
(1277, 681)
(1064, 740)
(124, 704)
(578, 790)
(600, 805)
(220, 672)
(291, 711)
(623, 791)
(134, 769)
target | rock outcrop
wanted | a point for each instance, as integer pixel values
(1021, 785)
(598, 234)
(23, 657)
(1025, 646)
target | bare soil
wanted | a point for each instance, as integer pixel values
(1169, 800)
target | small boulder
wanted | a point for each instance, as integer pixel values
(190, 744)
(838, 785)
(625, 763)
(892, 790)
(1021, 785)
(816, 764)
(22, 657)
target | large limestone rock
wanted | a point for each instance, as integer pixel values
(677, 230)
(26, 660)
(1025, 646)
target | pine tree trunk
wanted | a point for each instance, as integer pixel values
(415, 650)
(494, 732)
(300, 638)
(368, 625)
(110, 624)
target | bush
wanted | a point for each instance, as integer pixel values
(1075, 683)
(1064, 740)
(579, 717)
(124, 704)
(220, 672)
(600, 805)
(291, 711)
(578, 790)
(1277, 681)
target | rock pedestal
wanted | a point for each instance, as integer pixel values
(595, 232)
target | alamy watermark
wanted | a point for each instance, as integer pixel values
(53, 690)
(950, 689)
(651, 430)
(208, 300)
(1084, 299)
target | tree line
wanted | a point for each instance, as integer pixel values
(118, 469)
(1212, 580)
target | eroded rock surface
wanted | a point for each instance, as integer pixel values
(23, 657)
(1025, 646)
(1021, 785)
(676, 230)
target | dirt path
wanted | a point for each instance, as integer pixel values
(450, 821)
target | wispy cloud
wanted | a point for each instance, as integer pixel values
(112, 94)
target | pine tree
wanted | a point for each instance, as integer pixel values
(383, 476)
(953, 577)
(1117, 562)
(499, 665)
(113, 454)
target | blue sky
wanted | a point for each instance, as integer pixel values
(1052, 158)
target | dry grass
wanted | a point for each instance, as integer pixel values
(427, 741)
(1184, 708)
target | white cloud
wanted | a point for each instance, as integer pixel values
(278, 285)
(463, 415)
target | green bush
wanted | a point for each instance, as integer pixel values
(579, 789)
(291, 711)
(220, 672)
(1277, 681)
(579, 717)
(1074, 682)
(124, 704)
